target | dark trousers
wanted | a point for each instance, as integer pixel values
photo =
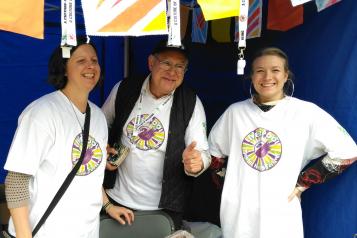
(175, 216)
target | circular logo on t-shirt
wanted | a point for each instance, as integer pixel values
(92, 158)
(261, 149)
(146, 134)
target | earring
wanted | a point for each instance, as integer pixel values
(252, 92)
(291, 87)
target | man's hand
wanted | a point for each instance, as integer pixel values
(110, 151)
(191, 158)
(121, 214)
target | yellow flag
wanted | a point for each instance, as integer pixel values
(221, 30)
(25, 17)
(217, 9)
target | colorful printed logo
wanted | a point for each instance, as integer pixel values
(92, 158)
(261, 149)
(150, 132)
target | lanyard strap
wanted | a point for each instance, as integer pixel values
(174, 23)
(68, 26)
(243, 25)
(138, 114)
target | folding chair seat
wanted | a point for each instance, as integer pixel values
(147, 224)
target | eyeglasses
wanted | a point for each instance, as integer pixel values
(167, 65)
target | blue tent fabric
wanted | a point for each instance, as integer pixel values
(323, 56)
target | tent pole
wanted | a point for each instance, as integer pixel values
(126, 56)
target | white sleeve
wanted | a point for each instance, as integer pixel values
(30, 145)
(108, 107)
(197, 131)
(219, 137)
(328, 136)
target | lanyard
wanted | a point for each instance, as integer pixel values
(174, 23)
(138, 114)
(68, 25)
(243, 23)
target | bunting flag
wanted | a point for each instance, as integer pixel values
(25, 17)
(125, 17)
(184, 13)
(322, 4)
(199, 26)
(254, 21)
(189, 3)
(217, 9)
(282, 16)
(221, 30)
(298, 2)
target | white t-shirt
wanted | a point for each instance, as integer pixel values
(267, 151)
(139, 179)
(46, 145)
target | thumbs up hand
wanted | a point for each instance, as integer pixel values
(191, 158)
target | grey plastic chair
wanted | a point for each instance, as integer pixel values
(147, 224)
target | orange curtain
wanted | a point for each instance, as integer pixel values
(23, 16)
(282, 16)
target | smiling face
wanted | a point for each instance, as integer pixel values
(269, 74)
(83, 70)
(167, 72)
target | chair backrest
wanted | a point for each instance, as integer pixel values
(147, 224)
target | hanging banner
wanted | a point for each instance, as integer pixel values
(323, 4)
(298, 2)
(217, 9)
(125, 17)
(282, 16)
(189, 3)
(221, 30)
(199, 26)
(24, 17)
(184, 14)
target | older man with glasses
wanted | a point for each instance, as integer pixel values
(161, 125)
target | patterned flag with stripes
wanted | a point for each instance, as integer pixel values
(254, 20)
(322, 4)
(199, 26)
(125, 17)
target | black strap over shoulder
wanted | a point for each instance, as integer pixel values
(69, 177)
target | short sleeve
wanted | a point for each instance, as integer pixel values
(219, 137)
(330, 137)
(196, 129)
(31, 143)
(108, 107)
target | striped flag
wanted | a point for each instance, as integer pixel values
(322, 4)
(125, 17)
(199, 26)
(25, 17)
(254, 20)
